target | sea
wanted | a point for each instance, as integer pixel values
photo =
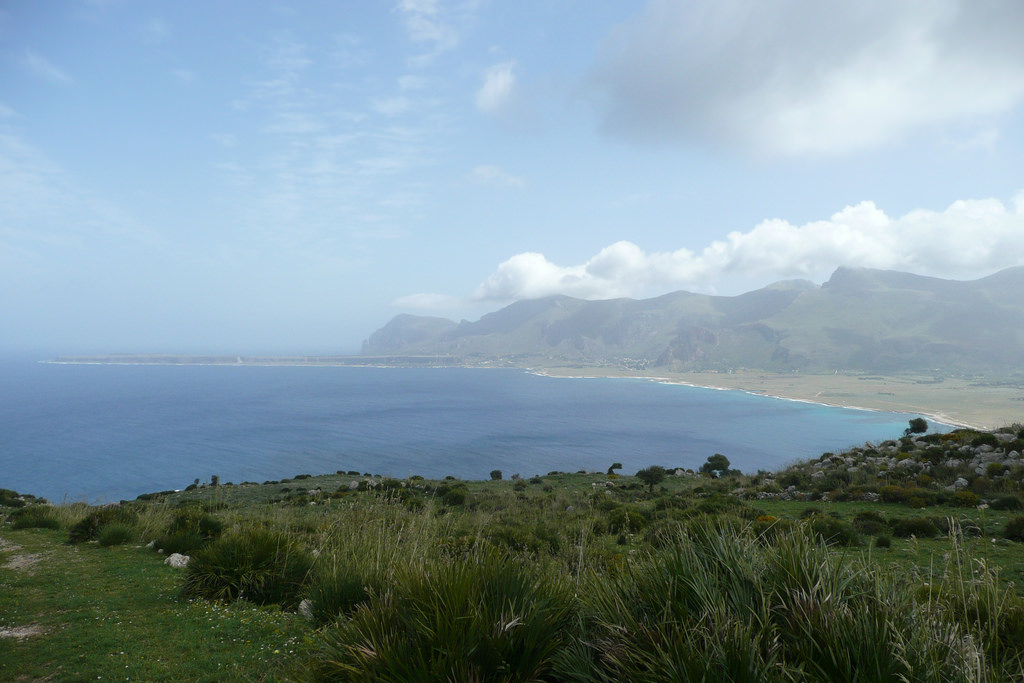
(103, 433)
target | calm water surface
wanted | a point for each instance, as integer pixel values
(107, 432)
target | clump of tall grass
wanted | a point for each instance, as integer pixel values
(190, 529)
(88, 528)
(34, 517)
(116, 533)
(725, 602)
(485, 617)
(260, 566)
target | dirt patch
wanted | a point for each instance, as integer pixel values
(21, 632)
(6, 545)
(22, 561)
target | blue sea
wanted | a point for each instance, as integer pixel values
(102, 433)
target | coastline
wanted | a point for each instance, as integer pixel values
(953, 402)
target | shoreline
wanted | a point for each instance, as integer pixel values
(772, 386)
(957, 402)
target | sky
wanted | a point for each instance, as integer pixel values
(275, 177)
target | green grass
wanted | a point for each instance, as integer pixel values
(404, 567)
(116, 613)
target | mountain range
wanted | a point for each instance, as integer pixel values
(860, 320)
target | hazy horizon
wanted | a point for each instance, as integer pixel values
(285, 178)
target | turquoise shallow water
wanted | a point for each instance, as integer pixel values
(107, 432)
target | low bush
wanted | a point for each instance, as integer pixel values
(882, 541)
(1014, 530)
(116, 533)
(964, 499)
(260, 566)
(833, 531)
(483, 618)
(336, 591)
(88, 528)
(870, 522)
(1007, 503)
(920, 527)
(183, 542)
(34, 517)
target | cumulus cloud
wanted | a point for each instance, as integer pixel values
(391, 106)
(428, 21)
(969, 239)
(797, 77)
(494, 176)
(496, 91)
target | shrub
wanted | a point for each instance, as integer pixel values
(1007, 503)
(519, 485)
(337, 591)
(486, 618)
(89, 527)
(116, 533)
(1015, 529)
(833, 531)
(882, 541)
(921, 527)
(495, 475)
(964, 499)
(995, 469)
(184, 542)
(10, 499)
(34, 517)
(257, 565)
(869, 522)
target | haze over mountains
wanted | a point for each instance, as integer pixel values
(860, 320)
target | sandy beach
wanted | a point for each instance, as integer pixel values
(955, 401)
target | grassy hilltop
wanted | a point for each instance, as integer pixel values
(899, 559)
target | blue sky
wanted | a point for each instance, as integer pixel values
(286, 177)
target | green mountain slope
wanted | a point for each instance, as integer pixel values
(860, 320)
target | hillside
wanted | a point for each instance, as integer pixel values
(861, 320)
(906, 554)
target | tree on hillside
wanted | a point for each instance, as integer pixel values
(652, 475)
(717, 465)
(495, 475)
(615, 466)
(917, 426)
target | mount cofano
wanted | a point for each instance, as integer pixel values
(861, 320)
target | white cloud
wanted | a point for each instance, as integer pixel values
(44, 69)
(411, 82)
(796, 77)
(496, 91)
(426, 21)
(492, 175)
(971, 238)
(391, 106)
(428, 302)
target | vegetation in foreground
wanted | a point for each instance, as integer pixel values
(867, 565)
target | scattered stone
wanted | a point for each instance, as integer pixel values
(353, 485)
(177, 561)
(22, 561)
(21, 632)
(570, 508)
(306, 609)
(960, 483)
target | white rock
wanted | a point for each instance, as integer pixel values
(306, 609)
(353, 485)
(177, 560)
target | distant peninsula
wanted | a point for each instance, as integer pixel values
(873, 339)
